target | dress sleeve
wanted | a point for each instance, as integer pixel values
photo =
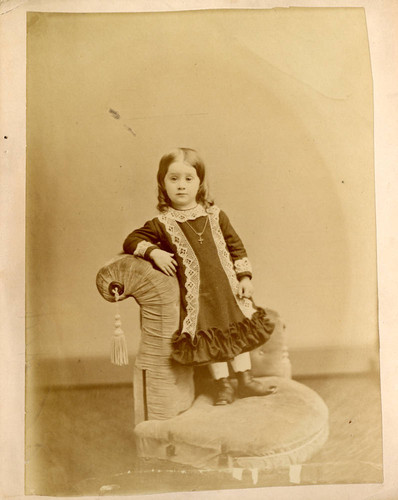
(143, 240)
(235, 247)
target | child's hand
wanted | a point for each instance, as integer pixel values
(246, 288)
(164, 261)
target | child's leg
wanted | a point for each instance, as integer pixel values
(225, 391)
(219, 370)
(241, 363)
(247, 385)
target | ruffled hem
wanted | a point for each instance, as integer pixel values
(216, 345)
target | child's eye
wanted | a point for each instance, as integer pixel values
(189, 178)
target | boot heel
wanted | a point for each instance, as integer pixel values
(225, 392)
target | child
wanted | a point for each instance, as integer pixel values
(193, 238)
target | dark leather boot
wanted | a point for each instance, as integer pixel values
(248, 386)
(225, 392)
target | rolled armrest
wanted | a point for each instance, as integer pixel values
(136, 277)
(162, 388)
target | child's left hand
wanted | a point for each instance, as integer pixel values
(246, 288)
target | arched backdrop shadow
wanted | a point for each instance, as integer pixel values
(279, 103)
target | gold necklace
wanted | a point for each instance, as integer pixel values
(200, 239)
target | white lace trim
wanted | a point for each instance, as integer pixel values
(142, 247)
(192, 272)
(244, 304)
(243, 265)
(184, 215)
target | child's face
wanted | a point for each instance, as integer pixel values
(182, 185)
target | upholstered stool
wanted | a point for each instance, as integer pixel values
(282, 429)
(263, 433)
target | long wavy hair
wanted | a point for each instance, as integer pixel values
(192, 158)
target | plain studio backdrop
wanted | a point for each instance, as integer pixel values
(279, 105)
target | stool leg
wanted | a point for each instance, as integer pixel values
(140, 410)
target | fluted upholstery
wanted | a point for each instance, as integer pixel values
(162, 388)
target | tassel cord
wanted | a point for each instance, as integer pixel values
(119, 353)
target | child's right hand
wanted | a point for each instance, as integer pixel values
(164, 261)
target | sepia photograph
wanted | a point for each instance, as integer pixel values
(201, 274)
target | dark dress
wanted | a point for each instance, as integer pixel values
(215, 325)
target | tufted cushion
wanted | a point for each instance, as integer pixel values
(260, 432)
(272, 358)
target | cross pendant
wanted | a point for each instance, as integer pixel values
(200, 239)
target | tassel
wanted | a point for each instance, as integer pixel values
(119, 353)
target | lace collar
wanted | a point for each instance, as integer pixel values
(184, 215)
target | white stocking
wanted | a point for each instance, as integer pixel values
(219, 370)
(242, 362)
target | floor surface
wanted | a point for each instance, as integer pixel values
(79, 441)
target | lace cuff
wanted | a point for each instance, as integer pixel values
(243, 266)
(143, 247)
